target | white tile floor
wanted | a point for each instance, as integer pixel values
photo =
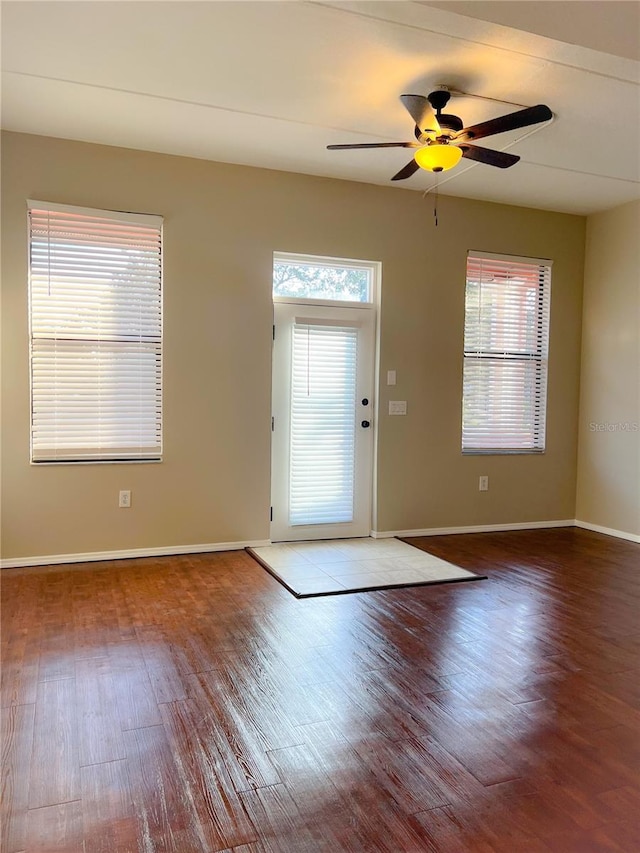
(347, 565)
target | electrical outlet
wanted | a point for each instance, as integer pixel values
(397, 407)
(124, 499)
(483, 484)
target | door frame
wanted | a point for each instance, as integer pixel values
(303, 307)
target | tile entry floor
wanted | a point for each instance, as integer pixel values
(348, 565)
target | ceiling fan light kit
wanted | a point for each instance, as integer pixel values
(442, 139)
(438, 157)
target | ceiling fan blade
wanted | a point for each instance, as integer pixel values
(511, 121)
(487, 155)
(375, 145)
(421, 112)
(410, 169)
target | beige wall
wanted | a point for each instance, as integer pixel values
(222, 224)
(609, 450)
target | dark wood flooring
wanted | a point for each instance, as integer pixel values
(192, 704)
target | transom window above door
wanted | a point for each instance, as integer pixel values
(323, 281)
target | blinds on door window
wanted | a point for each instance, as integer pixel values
(506, 338)
(322, 428)
(96, 334)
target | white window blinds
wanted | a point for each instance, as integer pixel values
(323, 404)
(506, 337)
(96, 334)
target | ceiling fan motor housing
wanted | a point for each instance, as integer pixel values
(450, 122)
(449, 126)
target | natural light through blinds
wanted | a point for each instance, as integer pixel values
(96, 334)
(323, 399)
(505, 354)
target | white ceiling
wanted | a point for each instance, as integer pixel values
(272, 83)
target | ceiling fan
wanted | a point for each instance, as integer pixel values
(442, 140)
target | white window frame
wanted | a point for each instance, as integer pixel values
(539, 356)
(63, 352)
(373, 267)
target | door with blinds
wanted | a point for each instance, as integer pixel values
(322, 446)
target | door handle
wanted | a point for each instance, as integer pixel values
(365, 424)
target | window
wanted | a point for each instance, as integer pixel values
(96, 334)
(322, 424)
(506, 335)
(305, 277)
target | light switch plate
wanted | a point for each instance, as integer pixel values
(397, 407)
(391, 377)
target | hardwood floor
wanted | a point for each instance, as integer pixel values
(192, 704)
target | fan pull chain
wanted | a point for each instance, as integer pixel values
(434, 190)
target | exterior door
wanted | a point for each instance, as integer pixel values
(322, 440)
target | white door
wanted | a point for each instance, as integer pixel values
(322, 440)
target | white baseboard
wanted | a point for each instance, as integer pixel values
(608, 531)
(474, 528)
(175, 550)
(132, 553)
